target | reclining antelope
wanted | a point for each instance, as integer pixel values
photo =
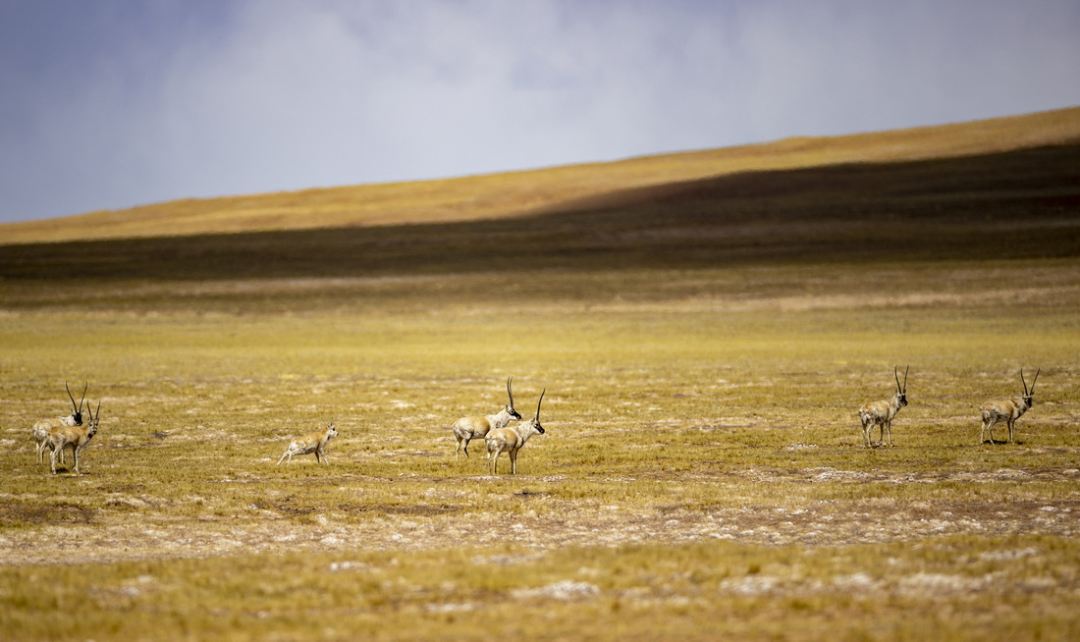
(42, 428)
(314, 442)
(468, 428)
(1008, 409)
(74, 437)
(881, 413)
(511, 440)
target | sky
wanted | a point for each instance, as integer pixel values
(108, 104)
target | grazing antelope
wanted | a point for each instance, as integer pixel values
(74, 437)
(511, 440)
(467, 428)
(314, 442)
(1008, 409)
(881, 413)
(42, 428)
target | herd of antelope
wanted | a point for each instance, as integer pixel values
(881, 413)
(59, 434)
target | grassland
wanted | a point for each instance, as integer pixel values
(701, 475)
(704, 347)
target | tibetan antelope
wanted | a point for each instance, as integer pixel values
(74, 437)
(468, 428)
(511, 440)
(314, 442)
(881, 413)
(42, 428)
(1008, 409)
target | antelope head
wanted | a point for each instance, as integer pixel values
(901, 390)
(510, 408)
(1029, 395)
(76, 410)
(536, 420)
(95, 416)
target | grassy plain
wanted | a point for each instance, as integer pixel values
(702, 474)
(704, 348)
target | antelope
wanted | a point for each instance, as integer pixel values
(314, 442)
(468, 428)
(881, 413)
(511, 440)
(74, 437)
(42, 428)
(1008, 409)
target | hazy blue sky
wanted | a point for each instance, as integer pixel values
(115, 103)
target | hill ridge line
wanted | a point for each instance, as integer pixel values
(544, 190)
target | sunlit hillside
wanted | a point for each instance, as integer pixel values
(542, 190)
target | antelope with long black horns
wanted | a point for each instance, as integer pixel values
(511, 440)
(42, 428)
(881, 413)
(74, 437)
(468, 428)
(1008, 409)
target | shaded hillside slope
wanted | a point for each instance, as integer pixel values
(1020, 204)
(548, 190)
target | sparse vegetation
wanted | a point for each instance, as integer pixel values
(701, 476)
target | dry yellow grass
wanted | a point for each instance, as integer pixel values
(542, 190)
(701, 477)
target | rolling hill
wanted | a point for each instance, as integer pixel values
(1020, 204)
(560, 189)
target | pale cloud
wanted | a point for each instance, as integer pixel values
(266, 96)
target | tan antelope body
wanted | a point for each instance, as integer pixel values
(468, 428)
(314, 442)
(881, 413)
(74, 437)
(1008, 409)
(511, 440)
(42, 428)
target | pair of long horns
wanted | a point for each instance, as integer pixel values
(1032, 391)
(78, 408)
(896, 374)
(511, 395)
